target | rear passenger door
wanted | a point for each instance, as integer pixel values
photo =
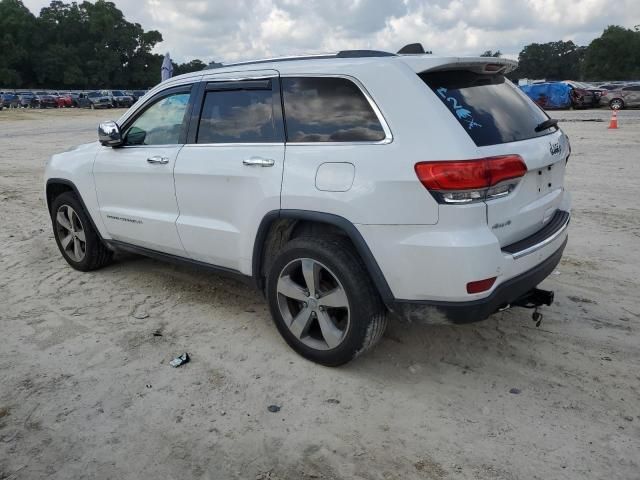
(229, 174)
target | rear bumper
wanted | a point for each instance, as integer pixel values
(476, 310)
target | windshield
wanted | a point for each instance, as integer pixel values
(118, 93)
(490, 108)
(94, 95)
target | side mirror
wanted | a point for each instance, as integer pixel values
(109, 134)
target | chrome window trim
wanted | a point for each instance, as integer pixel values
(246, 144)
(543, 243)
(223, 78)
(388, 135)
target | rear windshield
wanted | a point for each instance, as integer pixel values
(489, 108)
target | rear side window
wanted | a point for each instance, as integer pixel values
(328, 109)
(488, 107)
(238, 114)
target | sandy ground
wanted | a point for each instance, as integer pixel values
(86, 390)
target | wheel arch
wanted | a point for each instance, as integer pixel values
(58, 186)
(278, 226)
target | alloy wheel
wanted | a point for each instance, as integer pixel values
(313, 304)
(71, 233)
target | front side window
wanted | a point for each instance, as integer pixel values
(238, 116)
(161, 123)
(328, 109)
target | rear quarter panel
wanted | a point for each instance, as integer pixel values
(385, 188)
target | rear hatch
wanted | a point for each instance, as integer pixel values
(502, 121)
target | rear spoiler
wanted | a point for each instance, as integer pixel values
(424, 63)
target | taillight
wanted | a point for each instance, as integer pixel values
(480, 285)
(466, 181)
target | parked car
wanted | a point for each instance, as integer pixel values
(46, 100)
(10, 100)
(1, 101)
(625, 97)
(585, 95)
(120, 100)
(581, 95)
(79, 100)
(28, 100)
(64, 100)
(137, 94)
(549, 95)
(98, 100)
(434, 190)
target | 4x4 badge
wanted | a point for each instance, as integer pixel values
(555, 148)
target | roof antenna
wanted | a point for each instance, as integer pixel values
(412, 49)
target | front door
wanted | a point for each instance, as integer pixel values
(229, 174)
(134, 182)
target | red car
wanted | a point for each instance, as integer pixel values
(63, 100)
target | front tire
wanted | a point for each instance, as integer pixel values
(323, 301)
(77, 240)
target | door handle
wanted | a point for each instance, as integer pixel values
(258, 162)
(158, 159)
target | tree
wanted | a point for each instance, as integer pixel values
(491, 53)
(615, 55)
(553, 61)
(192, 66)
(16, 29)
(86, 45)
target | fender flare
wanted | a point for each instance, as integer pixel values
(342, 223)
(70, 184)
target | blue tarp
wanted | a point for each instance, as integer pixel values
(549, 95)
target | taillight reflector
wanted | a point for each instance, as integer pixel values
(469, 174)
(480, 285)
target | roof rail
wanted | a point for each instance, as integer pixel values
(321, 56)
(363, 53)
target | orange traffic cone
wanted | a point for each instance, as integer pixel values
(614, 119)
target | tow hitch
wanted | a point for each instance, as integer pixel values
(533, 299)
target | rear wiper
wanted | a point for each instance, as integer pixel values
(551, 122)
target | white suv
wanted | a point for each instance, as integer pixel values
(345, 186)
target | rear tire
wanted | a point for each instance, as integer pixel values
(331, 312)
(616, 104)
(79, 243)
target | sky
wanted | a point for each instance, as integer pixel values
(232, 30)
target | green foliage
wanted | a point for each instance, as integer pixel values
(553, 61)
(192, 66)
(613, 56)
(77, 45)
(16, 27)
(491, 53)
